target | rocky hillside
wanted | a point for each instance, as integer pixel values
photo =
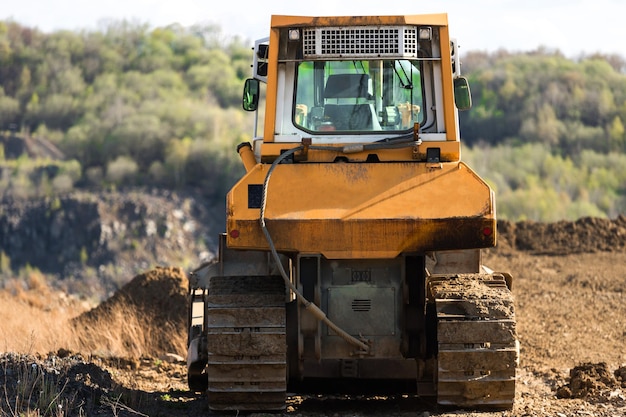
(94, 243)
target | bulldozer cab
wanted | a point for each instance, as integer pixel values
(336, 80)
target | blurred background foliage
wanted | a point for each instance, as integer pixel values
(130, 105)
(548, 133)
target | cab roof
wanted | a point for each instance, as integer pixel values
(439, 19)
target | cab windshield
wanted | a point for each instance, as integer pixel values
(363, 96)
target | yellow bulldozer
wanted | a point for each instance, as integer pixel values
(352, 249)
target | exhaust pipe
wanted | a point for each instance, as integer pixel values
(247, 155)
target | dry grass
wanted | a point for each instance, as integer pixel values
(144, 319)
(34, 320)
(34, 394)
(147, 317)
(124, 332)
(39, 320)
(33, 323)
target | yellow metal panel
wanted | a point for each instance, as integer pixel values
(405, 190)
(440, 19)
(448, 88)
(272, 86)
(365, 210)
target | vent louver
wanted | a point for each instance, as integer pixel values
(361, 305)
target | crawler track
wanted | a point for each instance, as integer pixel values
(477, 344)
(246, 343)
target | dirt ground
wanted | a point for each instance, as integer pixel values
(570, 297)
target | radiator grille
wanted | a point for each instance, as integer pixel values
(360, 41)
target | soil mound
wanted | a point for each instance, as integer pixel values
(147, 316)
(593, 382)
(586, 235)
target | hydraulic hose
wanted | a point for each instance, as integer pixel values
(311, 307)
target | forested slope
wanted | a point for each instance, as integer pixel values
(548, 133)
(132, 105)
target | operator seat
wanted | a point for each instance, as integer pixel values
(347, 102)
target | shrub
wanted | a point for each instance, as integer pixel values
(121, 170)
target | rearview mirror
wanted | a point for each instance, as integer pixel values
(251, 94)
(462, 95)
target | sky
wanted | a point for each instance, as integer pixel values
(574, 27)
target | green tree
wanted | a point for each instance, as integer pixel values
(176, 159)
(544, 97)
(616, 133)
(9, 110)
